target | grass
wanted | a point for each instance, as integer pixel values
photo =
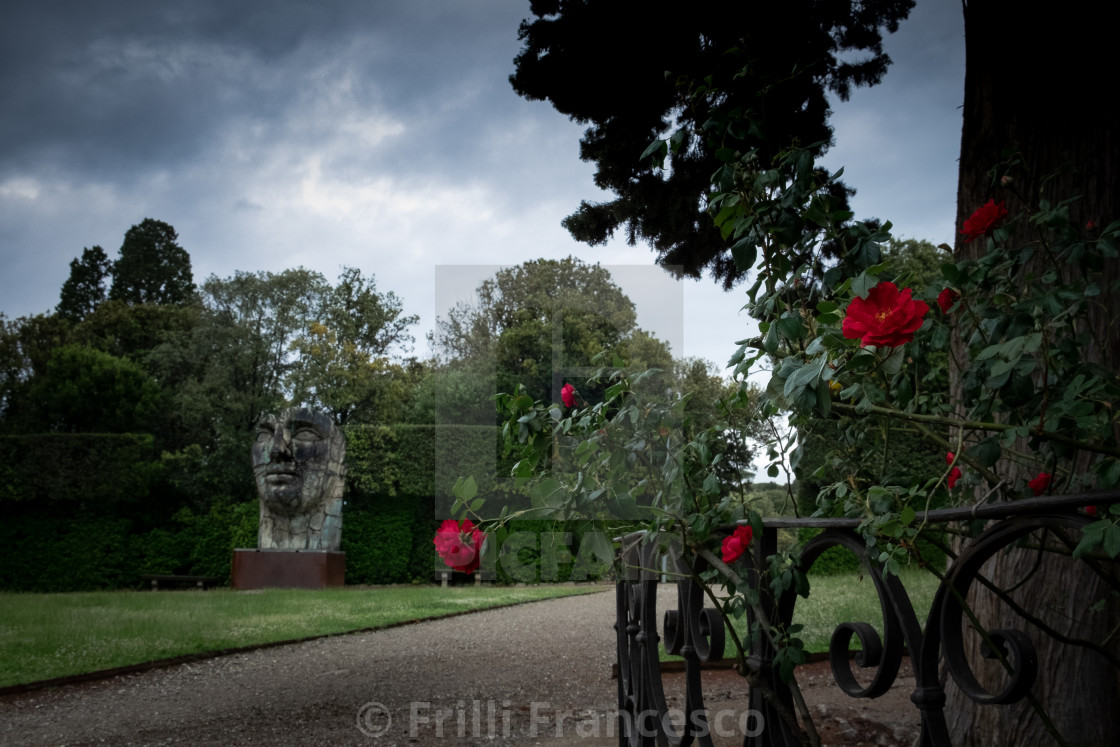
(43, 636)
(851, 598)
(845, 598)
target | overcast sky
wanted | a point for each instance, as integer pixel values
(379, 134)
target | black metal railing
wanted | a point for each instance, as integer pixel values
(696, 632)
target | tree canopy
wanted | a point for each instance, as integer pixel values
(543, 322)
(85, 289)
(632, 74)
(152, 267)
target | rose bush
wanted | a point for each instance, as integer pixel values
(1026, 398)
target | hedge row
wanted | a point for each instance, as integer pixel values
(87, 552)
(68, 471)
(81, 511)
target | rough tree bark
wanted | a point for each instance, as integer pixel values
(1039, 83)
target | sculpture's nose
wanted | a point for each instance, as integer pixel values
(280, 448)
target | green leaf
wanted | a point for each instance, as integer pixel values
(792, 326)
(907, 516)
(1091, 538)
(744, 252)
(987, 452)
(465, 488)
(1111, 540)
(893, 363)
(988, 352)
(599, 546)
(862, 284)
(658, 147)
(711, 484)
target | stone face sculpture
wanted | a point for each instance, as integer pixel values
(299, 465)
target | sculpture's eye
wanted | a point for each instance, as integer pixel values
(305, 433)
(263, 434)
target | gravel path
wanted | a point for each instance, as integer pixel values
(514, 671)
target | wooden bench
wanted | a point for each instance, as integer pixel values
(201, 582)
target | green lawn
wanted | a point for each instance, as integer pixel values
(845, 598)
(851, 598)
(43, 636)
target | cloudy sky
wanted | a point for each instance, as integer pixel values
(380, 134)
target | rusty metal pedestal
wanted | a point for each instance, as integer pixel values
(288, 569)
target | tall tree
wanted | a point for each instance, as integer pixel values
(632, 73)
(82, 390)
(152, 267)
(542, 323)
(240, 354)
(26, 344)
(85, 289)
(1040, 132)
(343, 357)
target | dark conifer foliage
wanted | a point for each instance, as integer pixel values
(633, 70)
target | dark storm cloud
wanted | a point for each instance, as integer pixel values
(117, 86)
(380, 134)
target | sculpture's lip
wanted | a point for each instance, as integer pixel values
(280, 475)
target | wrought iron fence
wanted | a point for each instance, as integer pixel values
(696, 632)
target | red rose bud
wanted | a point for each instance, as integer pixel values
(1041, 483)
(984, 220)
(459, 545)
(946, 299)
(568, 394)
(955, 473)
(735, 545)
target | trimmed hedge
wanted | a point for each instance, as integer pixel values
(87, 552)
(50, 553)
(87, 511)
(77, 471)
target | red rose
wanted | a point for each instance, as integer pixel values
(735, 545)
(955, 473)
(568, 394)
(1091, 510)
(946, 299)
(459, 545)
(1041, 483)
(886, 318)
(983, 220)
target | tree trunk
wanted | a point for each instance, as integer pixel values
(1039, 83)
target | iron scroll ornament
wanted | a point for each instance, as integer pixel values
(692, 631)
(942, 639)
